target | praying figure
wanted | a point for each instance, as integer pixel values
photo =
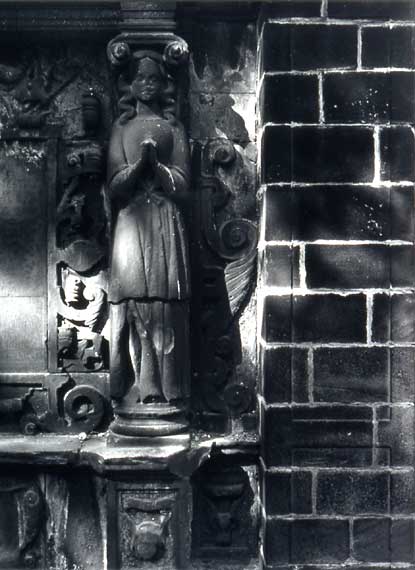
(149, 290)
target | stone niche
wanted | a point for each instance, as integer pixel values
(93, 476)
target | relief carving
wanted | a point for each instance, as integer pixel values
(224, 254)
(224, 522)
(28, 86)
(65, 407)
(83, 312)
(145, 534)
(149, 289)
(21, 520)
(82, 242)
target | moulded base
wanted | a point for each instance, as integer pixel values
(142, 424)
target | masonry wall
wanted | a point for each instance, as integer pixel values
(336, 285)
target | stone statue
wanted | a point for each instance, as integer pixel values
(148, 182)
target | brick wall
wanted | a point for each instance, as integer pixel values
(336, 290)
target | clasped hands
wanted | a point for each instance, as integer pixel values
(148, 155)
(149, 158)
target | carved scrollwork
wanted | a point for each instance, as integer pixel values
(226, 253)
(83, 405)
(176, 52)
(118, 53)
(218, 152)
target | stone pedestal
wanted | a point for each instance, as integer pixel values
(147, 424)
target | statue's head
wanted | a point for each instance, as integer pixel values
(146, 80)
(149, 82)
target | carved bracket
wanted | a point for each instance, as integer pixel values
(224, 524)
(151, 526)
(225, 249)
(65, 407)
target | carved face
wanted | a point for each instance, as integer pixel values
(147, 542)
(148, 82)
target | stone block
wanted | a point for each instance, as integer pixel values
(277, 541)
(372, 10)
(371, 540)
(287, 493)
(305, 413)
(403, 492)
(277, 267)
(311, 541)
(369, 97)
(303, 47)
(398, 435)
(315, 318)
(402, 540)
(397, 152)
(291, 9)
(352, 493)
(388, 47)
(333, 457)
(343, 266)
(290, 98)
(276, 326)
(403, 266)
(351, 374)
(319, 541)
(279, 213)
(276, 154)
(284, 375)
(287, 441)
(402, 374)
(339, 212)
(394, 318)
(319, 154)
(384, 540)
(329, 318)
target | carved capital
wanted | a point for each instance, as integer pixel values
(173, 49)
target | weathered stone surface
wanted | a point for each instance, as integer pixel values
(351, 374)
(339, 212)
(223, 56)
(304, 47)
(22, 343)
(350, 493)
(388, 47)
(23, 219)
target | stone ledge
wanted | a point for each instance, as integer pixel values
(93, 452)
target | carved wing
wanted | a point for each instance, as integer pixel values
(239, 276)
(241, 270)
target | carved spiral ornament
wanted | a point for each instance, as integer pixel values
(238, 398)
(238, 237)
(84, 405)
(119, 53)
(176, 53)
(221, 152)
